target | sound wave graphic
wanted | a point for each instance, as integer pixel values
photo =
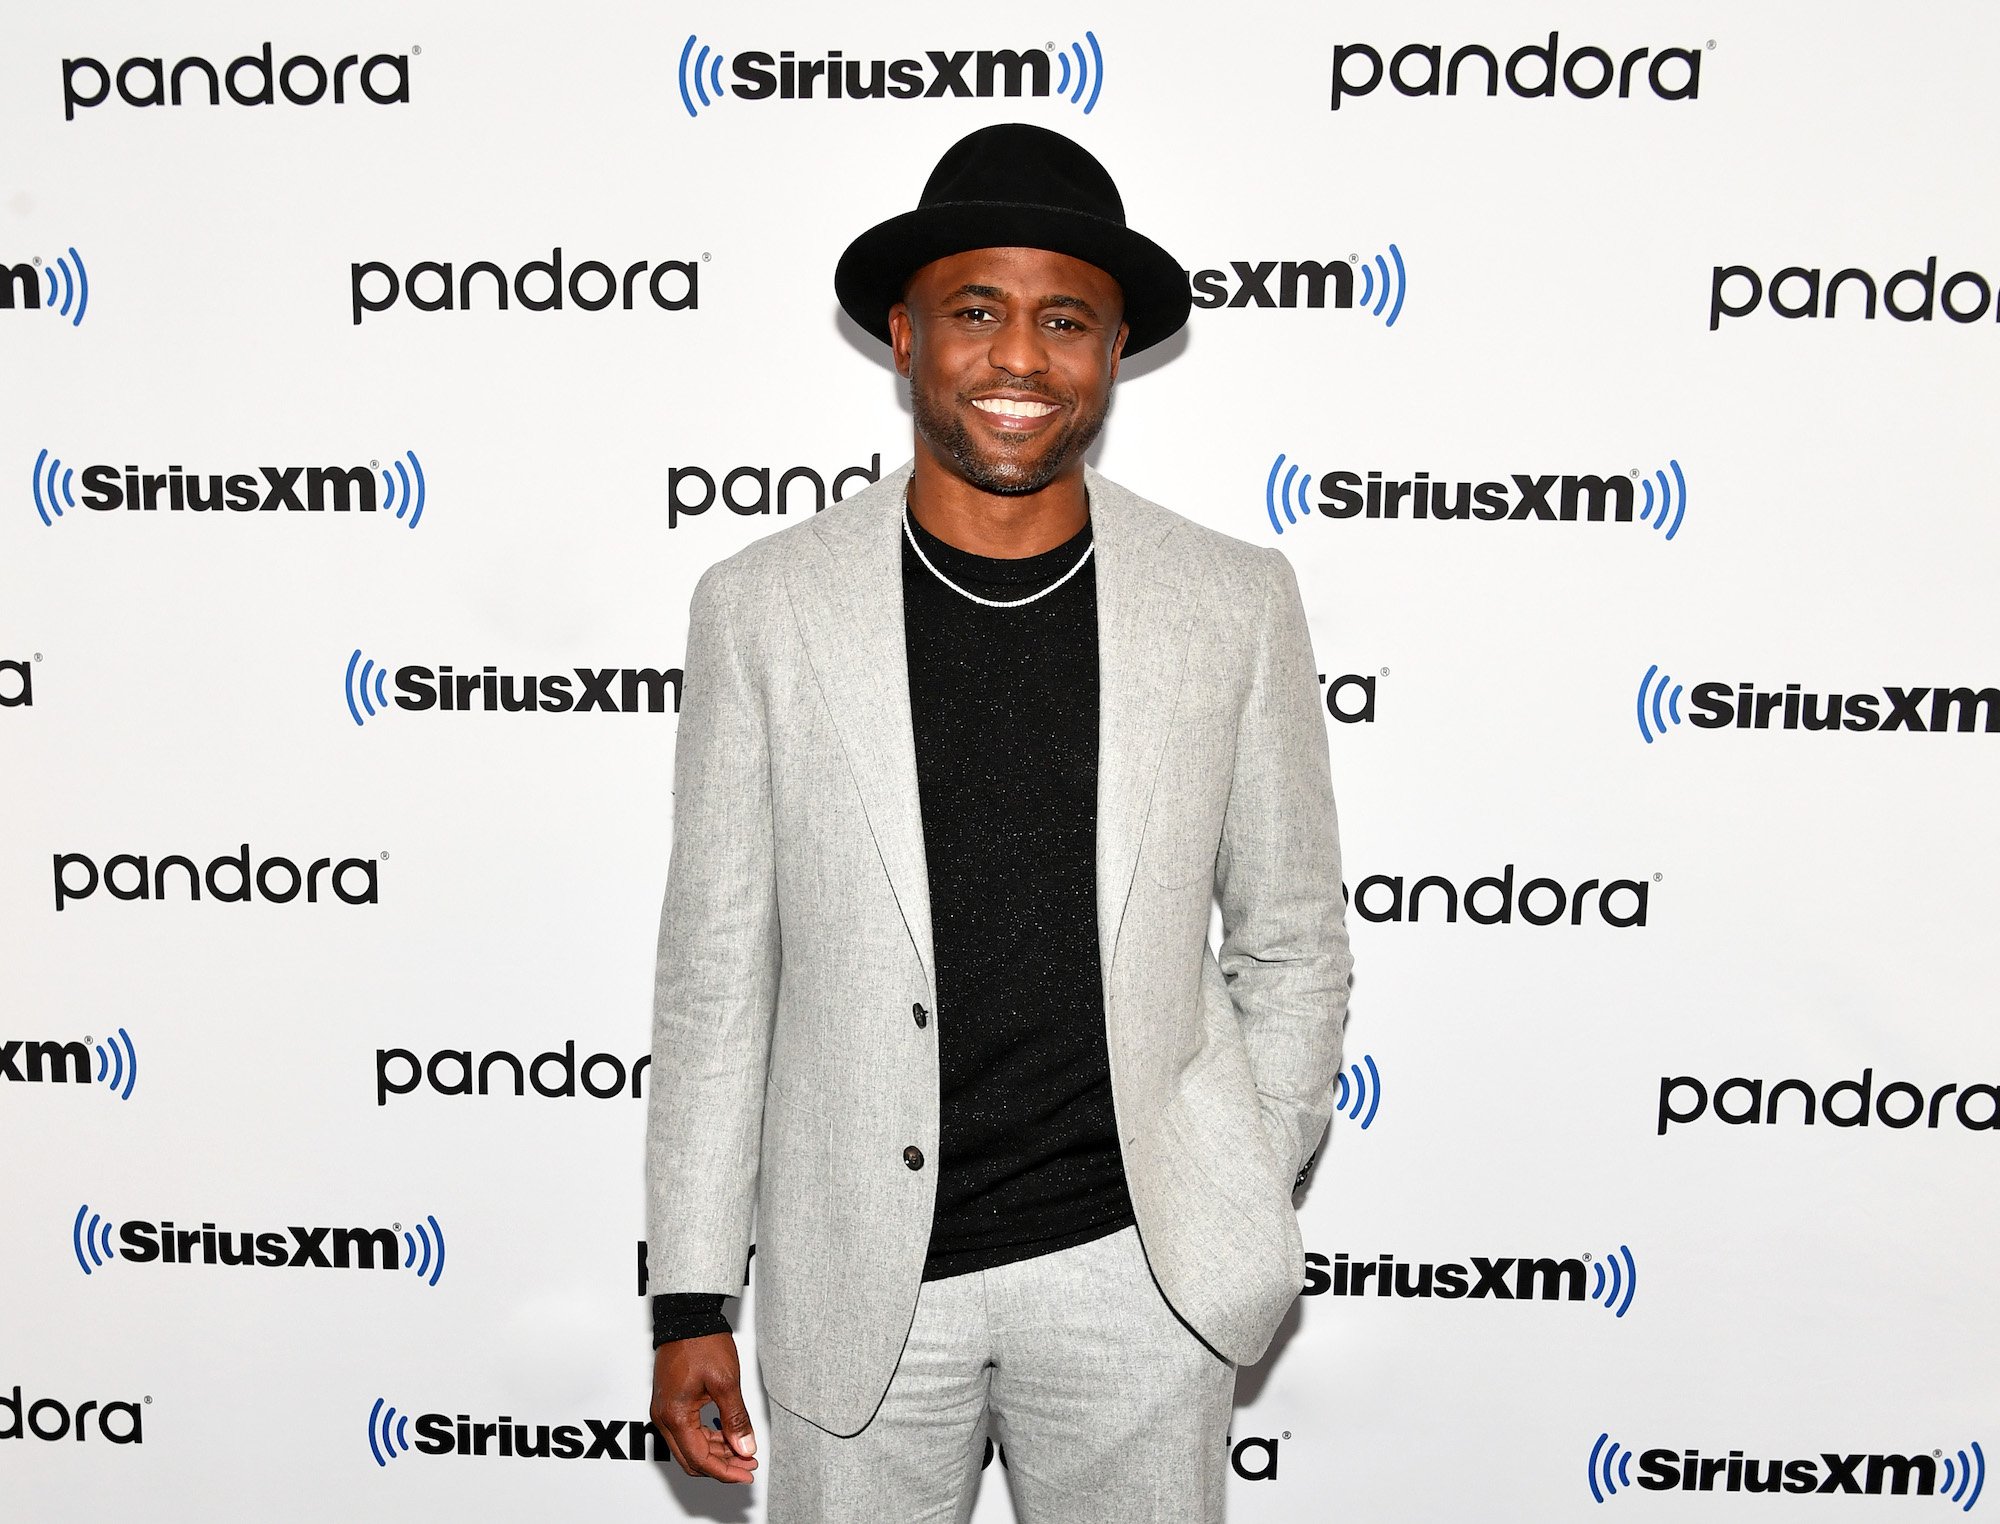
(1664, 696)
(1379, 285)
(705, 73)
(1088, 72)
(405, 491)
(1614, 1288)
(68, 278)
(388, 1432)
(91, 1241)
(118, 1064)
(360, 700)
(51, 481)
(418, 1242)
(1960, 1473)
(1279, 499)
(1670, 499)
(1358, 1092)
(1608, 1469)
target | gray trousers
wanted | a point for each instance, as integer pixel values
(1107, 1409)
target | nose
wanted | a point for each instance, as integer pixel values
(1019, 346)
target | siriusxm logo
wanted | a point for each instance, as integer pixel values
(1654, 500)
(1745, 1102)
(1357, 1091)
(439, 1434)
(555, 1074)
(48, 1418)
(251, 80)
(98, 1241)
(1958, 1476)
(674, 285)
(1071, 72)
(747, 490)
(26, 1061)
(67, 279)
(295, 489)
(1307, 282)
(1744, 706)
(1496, 901)
(131, 876)
(1794, 292)
(1531, 72)
(581, 690)
(1609, 1282)
(17, 683)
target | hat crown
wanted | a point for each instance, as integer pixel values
(1021, 163)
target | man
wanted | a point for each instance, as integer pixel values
(963, 763)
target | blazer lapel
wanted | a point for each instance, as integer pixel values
(1144, 613)
(849, 604)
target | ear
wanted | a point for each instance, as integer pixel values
(902, 332)
(1118, 347)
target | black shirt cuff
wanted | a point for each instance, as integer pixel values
(687, 1315)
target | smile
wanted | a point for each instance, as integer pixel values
(1007, 407)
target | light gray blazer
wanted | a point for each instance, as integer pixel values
(789, 1073)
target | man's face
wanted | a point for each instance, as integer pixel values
(1010, 355)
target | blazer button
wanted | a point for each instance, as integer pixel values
(923, 1016)
(914, 1157)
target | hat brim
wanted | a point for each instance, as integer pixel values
(877, 266)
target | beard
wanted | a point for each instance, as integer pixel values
(994, 467)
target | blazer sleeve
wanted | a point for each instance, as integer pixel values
(715, 981)
(1284, 953)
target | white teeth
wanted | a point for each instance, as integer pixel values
(1009, 408)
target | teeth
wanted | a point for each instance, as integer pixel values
(1009, 408)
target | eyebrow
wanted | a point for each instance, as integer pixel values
(995, 294)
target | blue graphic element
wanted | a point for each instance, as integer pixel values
(388, 1432)
(417, 1253)
(1968, 1472)
(73, 283)
(92, 1239)
(1359, 1090)
(1608, 1469)
(1088, 72)
(360, 671)
(1665, 698)
(120, 1063)
(1669, 499)
(1378, 285)
(402, 492)
(1615, 1287)
(704, 71)
(1281, 498)
(51, 481)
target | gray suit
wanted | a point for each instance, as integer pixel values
(789, 1069)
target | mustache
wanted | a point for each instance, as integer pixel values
(1020, 389)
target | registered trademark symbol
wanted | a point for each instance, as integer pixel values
(149, 1399)
(1711, 44)
(38, 656)
(1287, 1434)
(397, 1226)
(704, 256)
(1586, 1259)
(1385, 671)
(1354, 259)
(378, 463)
(1635, 470)
(1934, 1452)
(88, 1038)
(385, 857)
(1657, 877)
(417, 47)
(1050, 46)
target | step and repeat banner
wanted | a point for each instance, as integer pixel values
(1619, 381)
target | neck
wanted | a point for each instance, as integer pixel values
(987, 524)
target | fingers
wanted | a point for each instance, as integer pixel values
(703, 1451)
(687, 1375)
(734, 1419)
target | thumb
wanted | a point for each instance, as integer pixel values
(727, 1396)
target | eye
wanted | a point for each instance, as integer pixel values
(974, 313)
(1067, 324)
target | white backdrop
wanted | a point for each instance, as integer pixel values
(1815, 902)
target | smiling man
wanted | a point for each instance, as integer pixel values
(964, 764)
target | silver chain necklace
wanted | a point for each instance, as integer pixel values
(991, 603)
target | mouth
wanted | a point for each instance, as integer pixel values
(1016, 414)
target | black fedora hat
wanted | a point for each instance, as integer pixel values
(1014, 185)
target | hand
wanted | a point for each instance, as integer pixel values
(688, 1373)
